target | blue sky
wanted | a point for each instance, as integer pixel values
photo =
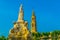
(47, 14)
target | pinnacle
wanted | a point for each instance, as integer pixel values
(33, 13)
(21, 7)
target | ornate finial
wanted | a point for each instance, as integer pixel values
(32, 12)
(21, 8)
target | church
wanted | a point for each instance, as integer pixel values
(20, 29)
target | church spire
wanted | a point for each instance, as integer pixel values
(33, 22)
(20, 16)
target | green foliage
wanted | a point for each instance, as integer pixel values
(3, 38)
(54, 35)
(35, 36)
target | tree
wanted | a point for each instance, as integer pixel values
(2, 38)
